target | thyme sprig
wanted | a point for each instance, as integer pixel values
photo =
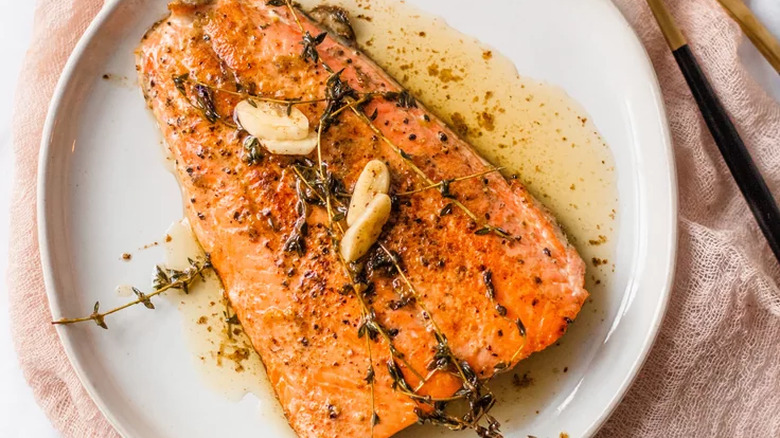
(444, 184)
(490, 291)
(204, 99)
(310, 44)
(442, 347)
(165, 280)
(336, 93)
(444, 359)
(181, 80)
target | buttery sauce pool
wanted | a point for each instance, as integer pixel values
(532, 129)
(223, 353)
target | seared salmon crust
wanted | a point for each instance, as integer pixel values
(482, 290)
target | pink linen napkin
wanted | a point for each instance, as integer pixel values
(715, 369)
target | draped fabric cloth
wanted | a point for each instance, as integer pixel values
(715, 368)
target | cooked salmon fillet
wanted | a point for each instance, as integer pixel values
(496, 298)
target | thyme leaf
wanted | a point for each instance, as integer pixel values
(487, 277)
(204, 98)
(337, 91)
(402, 99)
(97, 317)
(179, 81)
(520, 326)
(253, 150)
(444, 189)
(163, 281)
(296, 242)
(370, 375)
(399, 382)
(143, 298)
(310, 44)
(482, 231)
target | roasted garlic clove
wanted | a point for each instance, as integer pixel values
(271, 121)
(374, 179)
(363, 234)
(292, 147)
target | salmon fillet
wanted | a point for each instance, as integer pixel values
(496, 279)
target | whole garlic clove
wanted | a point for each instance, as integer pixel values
(270, 121)
(363, 234)
(292, 147)
(374, 179)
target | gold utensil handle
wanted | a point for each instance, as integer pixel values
(674, 37)
(758, 34)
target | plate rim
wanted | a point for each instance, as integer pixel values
(46, 256)
(79, 50)
(672, 242)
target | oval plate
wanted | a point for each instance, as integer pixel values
(103, 189)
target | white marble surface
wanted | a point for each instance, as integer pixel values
(20, 417)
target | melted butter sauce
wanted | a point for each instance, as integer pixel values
(532, 128)
(223, 353)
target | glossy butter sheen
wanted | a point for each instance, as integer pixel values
(290, 305)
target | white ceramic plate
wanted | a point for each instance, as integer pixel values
(103, 189)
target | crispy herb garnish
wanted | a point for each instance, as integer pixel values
(232, 319)
(254, 152)
(482, 231)
(165, 279)
(380, 262)
(310, 44)
(179, 82)
(370, 375)
(297, 240)
(403, 99)
(445, 191)
(203, 96)
(487, 277)
(444, 188)
(336, 94)
(472, 390)
(204, 99)
(520, 326)
(369, 326)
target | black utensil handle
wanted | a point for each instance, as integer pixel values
(741, 165)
